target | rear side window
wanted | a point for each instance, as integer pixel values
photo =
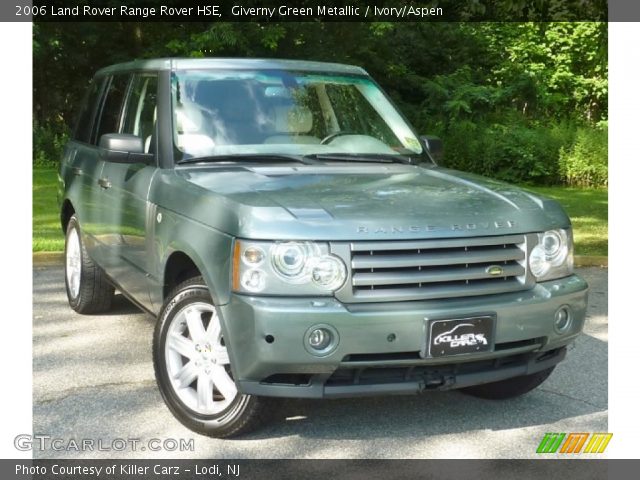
(112, 106)
(84, 122)
(140, 113)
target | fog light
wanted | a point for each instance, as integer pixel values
(321, 340)
(562, 320)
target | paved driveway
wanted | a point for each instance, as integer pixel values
(93, 379)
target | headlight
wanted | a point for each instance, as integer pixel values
(286, 268)
(290, 260)
(552, 257)
(328, 272)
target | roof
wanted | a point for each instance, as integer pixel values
(231, 63)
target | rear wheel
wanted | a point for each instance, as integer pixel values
(510, 388)
(193, 369)
(88, 290)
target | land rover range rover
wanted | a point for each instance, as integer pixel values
(294, 237)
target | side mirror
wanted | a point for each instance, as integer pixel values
(123, 148)
(434, 147)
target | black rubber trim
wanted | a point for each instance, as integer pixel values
(318, 389)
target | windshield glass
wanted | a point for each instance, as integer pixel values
(277, 112)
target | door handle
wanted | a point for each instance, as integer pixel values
(76, 171)
(104, 182)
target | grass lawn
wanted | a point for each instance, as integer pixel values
(586, 207)
(47, 233)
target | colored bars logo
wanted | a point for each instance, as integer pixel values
(573, 443)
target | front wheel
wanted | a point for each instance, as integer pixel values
(509, 388)
(88, 289)
(193, 370)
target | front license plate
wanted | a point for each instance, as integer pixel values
(463, 335)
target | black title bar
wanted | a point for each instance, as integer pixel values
(326, 11)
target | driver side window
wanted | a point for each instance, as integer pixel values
(112, 107)
(141, 113)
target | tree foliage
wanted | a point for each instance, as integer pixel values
(516, 101)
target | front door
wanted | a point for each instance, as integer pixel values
(125, 187)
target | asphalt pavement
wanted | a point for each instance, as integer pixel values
(93, 381)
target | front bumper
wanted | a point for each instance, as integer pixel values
(379, 344)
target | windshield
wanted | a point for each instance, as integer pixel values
(277, 112)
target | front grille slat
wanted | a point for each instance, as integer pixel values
(405, 270)
(433, 244)
(487, 287)
(385, 277)
(436, 258)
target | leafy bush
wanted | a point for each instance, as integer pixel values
(518, 152)
(585, 162)
(483, 132)
(48, 143)
(514, 151)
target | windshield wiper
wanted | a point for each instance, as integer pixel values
(363, 157)
(250, 157)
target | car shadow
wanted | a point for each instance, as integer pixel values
(122, 306)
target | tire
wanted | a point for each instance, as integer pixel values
(88, 290)
(510, 388)
(193, 370)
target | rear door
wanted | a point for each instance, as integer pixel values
(125, 187)
(81, 168)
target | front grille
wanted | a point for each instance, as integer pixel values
(432, 269)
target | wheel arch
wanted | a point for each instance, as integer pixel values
(67, 210)
(182, 248)
(181, 265)
(178, 267)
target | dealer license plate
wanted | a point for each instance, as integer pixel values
(459, 336)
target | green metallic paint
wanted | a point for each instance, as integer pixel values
(335, 202)
(520, 316)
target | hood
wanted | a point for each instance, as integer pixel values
(363, 201)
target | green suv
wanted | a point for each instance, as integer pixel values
(296, 238)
